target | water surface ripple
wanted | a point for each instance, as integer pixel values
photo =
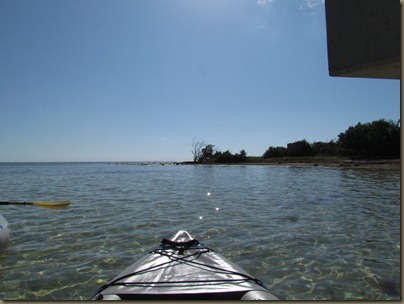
(308, 233)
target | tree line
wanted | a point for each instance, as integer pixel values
(377, 139)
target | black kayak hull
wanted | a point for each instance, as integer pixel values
(181, 268)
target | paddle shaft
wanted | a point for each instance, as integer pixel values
(16, 203)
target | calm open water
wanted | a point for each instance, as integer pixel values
(308, 233)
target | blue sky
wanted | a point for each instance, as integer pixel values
(136, 80)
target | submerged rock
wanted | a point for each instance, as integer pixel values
(388, 286)
(291, 218)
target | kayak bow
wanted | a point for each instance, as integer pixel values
(181, 268)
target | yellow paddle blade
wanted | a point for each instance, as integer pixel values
(52, 205)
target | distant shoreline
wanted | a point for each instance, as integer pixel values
(332, 162)
(391, 164)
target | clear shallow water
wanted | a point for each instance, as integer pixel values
(308, 233)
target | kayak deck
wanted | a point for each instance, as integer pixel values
(183, 269)
(4, 231)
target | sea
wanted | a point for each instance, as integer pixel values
(309, 233)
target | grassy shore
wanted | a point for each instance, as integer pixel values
(318, 161)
